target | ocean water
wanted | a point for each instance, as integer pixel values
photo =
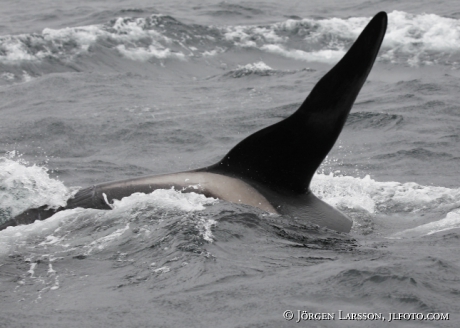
(93, 91)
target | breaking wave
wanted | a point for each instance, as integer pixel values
(424, 39)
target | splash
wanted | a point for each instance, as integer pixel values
(24, 186)
(382, 197)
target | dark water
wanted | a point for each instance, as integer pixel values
(94, 91)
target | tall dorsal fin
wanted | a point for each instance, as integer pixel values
(284, 156)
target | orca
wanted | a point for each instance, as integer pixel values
(272, 168)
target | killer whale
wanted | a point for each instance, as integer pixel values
(272, 168)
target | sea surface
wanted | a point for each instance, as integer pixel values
(93, 91)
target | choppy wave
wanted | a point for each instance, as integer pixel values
(423, 39)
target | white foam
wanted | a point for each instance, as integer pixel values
(204, 226)
(26, 77)
(451, 221)
(324, 56)
(50, 269)
(24, 186)
(15, 50)
(259, 68)
(344, 191)
(20, 78)
(167, 199)
(32, 269)
(415, 36)
(134, 29)
(133, 38)
(164, 269)
(269, 38)
(104, 241)
(56, 283)
(15, 236)
(51, 240)
(383, 197)
(8, 76)
(210, 53)
(83, 36)
(428, 31)
(392, 198)
(409, 38)
(171, 199)
(50, 232)
(144, 54)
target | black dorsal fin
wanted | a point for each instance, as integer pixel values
(284, 156)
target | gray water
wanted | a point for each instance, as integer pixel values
(93, 91)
